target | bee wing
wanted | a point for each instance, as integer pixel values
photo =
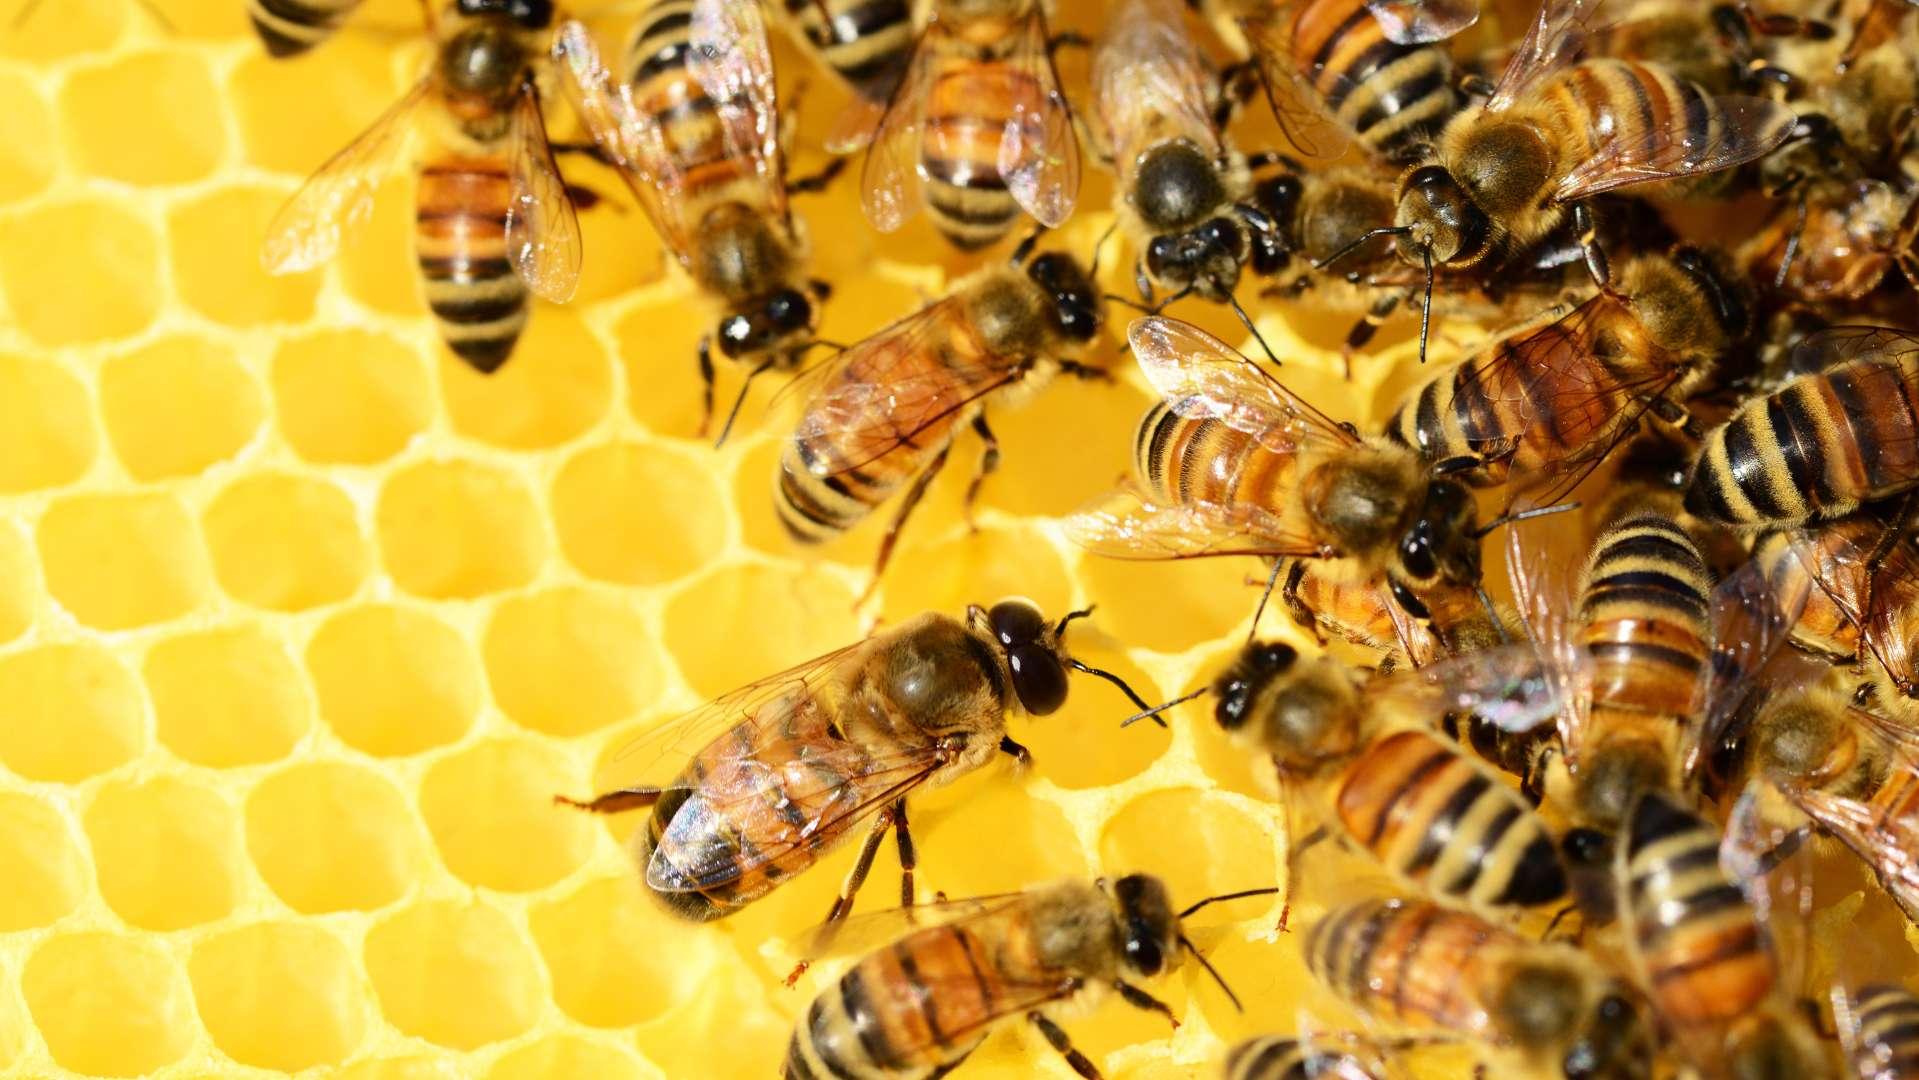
(1149, 80)
(1887, 842)
(628, 135)
(1124, 525)
(1553, 41)
(307, 230)
(1308, 127)
(1545, 589)
(1838, 344)
(1202, 377)
(1712, 133)
(733, 63)
(1894, 594)
(890, 179)
(860, 934)
(1422, 22)
(1750, 622)
(1038, 150)
(542, 231)
(1508, 686)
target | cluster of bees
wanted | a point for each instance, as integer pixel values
(1631, 749)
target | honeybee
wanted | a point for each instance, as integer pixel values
(1700, 950)
(1822, 444)
(781, 771)
(1836, 244)
(1880, 1027)
(291, 27)
(493, 217)
(977, 130)
(1507, 171)
(1230, 462)
(1548, 403)
(1447, 619)
(919, 1006)
(1428, 968)
(885, 411)
(1284, 1057)
(867, 44)
(695, 131)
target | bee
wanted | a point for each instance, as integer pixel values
(1230, 462)
(781, 771)
(291, 27)
(1837, 243)
(1700, 951)
(1506, 171)
(1434, 969)
(977, 130)
(919, 1006)
(493, 218)
(867, 44)
(694, 129)
(1455, 619)
(1548, 403)
(884, 412)
(1823, 443)
(1283, 1057)
(1880, 1027)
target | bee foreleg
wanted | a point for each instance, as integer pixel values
(615, 802)
(1021, 756)
(1057, 1038)
(1140, 999)
(807, 185)
(988, 463)
(1596, 263)
(909, 858)
(1362, 332)
(706, 385)
(912, 499)
(1141, 282)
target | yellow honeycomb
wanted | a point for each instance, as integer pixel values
(302, 622)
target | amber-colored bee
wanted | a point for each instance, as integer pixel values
(1700, 950)
(1449, 620)
(1284, 1057)
(919, 1006)
(1547, 404)
(695, 130)
(493, 218)
(779, 772)
(1822, 444)
(978, 129)
(885, 411)
(1230, 462)
(1880, 1027)
(1426, 968)
(1836, 244)
(867, 44)
(291, 27)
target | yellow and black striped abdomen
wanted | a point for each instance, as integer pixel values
(1281, 1057)
(1183, 460)
(1608, 101)
(666, 89)
(1644, 606)
(1395, 97)
(1701, 953)
(471, 286)
(1885, 1041)
(1814, 449)
(965, 115)
(1407, 962)
(291, 27)
(1841, 548)
(867, 42)
(1443, 822)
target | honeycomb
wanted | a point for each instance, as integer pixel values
(303, 623)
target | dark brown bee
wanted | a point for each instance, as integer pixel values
(291, 27)
(493, 219)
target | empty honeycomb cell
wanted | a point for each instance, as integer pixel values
(1171, 605)
(46, 425)
(220, 278)
(572, 660)
(1037, 442)
(26, 157)
(178, 405)
(616, 958)
(349, 397)
(56, 30)
(109, 1004)
(46, 874)
(743, 623)
(1031, 840)
(761, 528)
(145, 118)
(286, 543)
(1082, 745)
(279, 996)
(72, 712)
(567, 1055)
(456, 974)
(119, 561)
(490, 810)
(16, 1028)
(658, 344)
(327, 836)
(226, 697)
(352, 77)
(376, 259)
(83, 271)
(606, 509)
(19, 585)
(458, 529)
(167, 853)
(734, 1027)
(981, 568)
(1199, 843)
(558, 384)
(394, 680)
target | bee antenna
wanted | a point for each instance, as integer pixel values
(1523, 515)
(1247, 321)
(1270, 890)
(1265, 594)
(1187, 944)
(1426, 309)
(1060, 627)
(1492, 612)
(1131, 303)
(1153, 713)
(734, 413)
(1099, 248)
(1361, 241)
(1131, 695)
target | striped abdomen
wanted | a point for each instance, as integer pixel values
(1395, 97)
(1607, 101)
(1816, 448)
(868, 42)
(291, 27)
(460, 239)
(1838, 550)
(1409, 963)
(1443, 822)
(1181, 460)
(917, 1006)
(1885, 1037)
(665, 88)
(1701, 952)
(966, 112)
(1280, 1057)
(1644, 606)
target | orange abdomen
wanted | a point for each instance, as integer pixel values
(1408, 962)
(460, 240)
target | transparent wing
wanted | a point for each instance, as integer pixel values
(1038, 150)
(307, 230)
(1149, 80)
(542, 231)
(733, 63)
(1839, 344)
(861, 934)
(1545, 587)
(1895, 595)
(1309, 129)
(1124, 525)
(1886, 840)
(1553, 41)
(890, 179)
(1709, 134)
(1506, 686)
(1749, 624)
(1422, 22)
(1200, 376)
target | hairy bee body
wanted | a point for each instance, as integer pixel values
(1392, 97)
(868, 43)
(1885, 1036)
(291, 27)
(1839, 548)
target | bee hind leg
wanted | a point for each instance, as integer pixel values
(614, 802)
(706, 386)
(1140, 999)
(1057, 1038)
(909, 855)
(843, 903)
(988, 464)
(911, 500)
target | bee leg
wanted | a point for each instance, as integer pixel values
(1476, 86)
(909, 857)
(614, 802)
(1143, 283)
(911, 500)
(1057, 1038)
(1067, 39)
(843, 903)
(1021, 756)
(988, 464)
(1026, 245)
(1140, 999)
(1362, 332)
(807, 185)
(1293, 853)
(706, 386)
(1301, 614)
(1596, 263)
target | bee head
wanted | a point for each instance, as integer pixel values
(1148, 930)
(530, 14)
(1278, 198)
(1442, 542)
(1176, 187)
(1206, 257)
(1614, 1045)
(783, 315)
(1031, 648)
(1726, 297)
(1445, 223)
(1075, 310)
(1257, 664)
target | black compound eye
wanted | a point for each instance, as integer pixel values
(1416, 553)
(1016, 622)
(736, 335)
(1275, 656)
(1235, 696)
(1039, 679)
(1142, 951)
(1220, 234)
(788, 310)
(533, 14)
